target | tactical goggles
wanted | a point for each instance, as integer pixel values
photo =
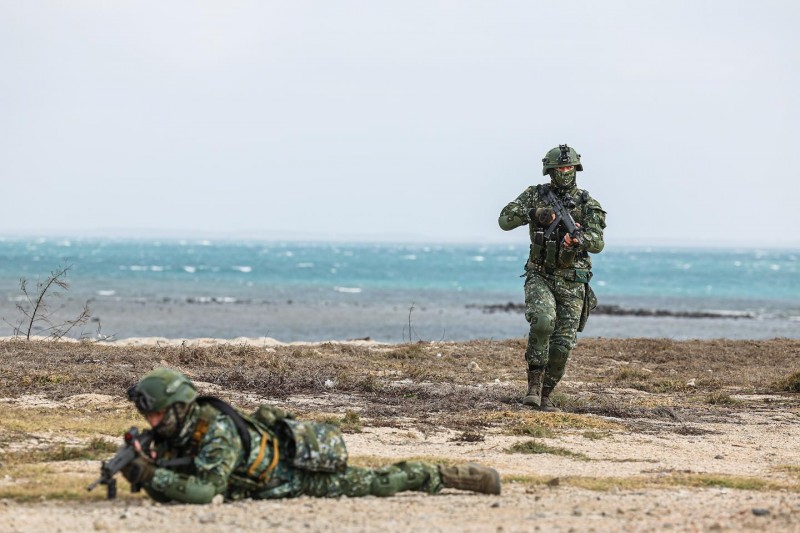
(144, 402)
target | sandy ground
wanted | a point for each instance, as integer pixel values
(762, 441)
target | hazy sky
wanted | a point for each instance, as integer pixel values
(412, 120)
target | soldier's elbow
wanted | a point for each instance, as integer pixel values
(507, 223)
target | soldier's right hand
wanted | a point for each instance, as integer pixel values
(543, 216)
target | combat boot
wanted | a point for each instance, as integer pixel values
(547, 404)
(472, 477)
(534, 395)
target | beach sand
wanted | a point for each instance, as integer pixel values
(656, 434)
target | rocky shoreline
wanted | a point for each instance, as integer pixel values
(617, 310)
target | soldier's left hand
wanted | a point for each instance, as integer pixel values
(139, 471)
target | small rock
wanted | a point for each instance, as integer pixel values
(555, 482)
(473, 367)
(217, 500)
(577, 512)
(210, 518)
(759, 511)
(691, 383)
(99, 525)
(495, 504)
(719, 457)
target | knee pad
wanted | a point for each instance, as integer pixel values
(542, 326)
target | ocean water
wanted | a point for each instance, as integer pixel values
(388, 292)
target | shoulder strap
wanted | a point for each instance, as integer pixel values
(238, 421)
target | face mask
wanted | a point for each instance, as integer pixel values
(563, 180)
(174, 416)
(169, 424)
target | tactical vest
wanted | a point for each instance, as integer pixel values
(308, 446)
(548, 255)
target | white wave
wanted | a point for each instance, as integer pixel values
(601, 283)
(225, 300)
(190, 269)
(137, 268)
(243, 268)
(157, 268)
(774, 267)
(106, 293)
(288, 254)
(64, 243)
(305, 265)
(205, 243)
(348, 290)
(479, 258)
(410, 257)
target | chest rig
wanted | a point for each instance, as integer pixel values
(547, 254)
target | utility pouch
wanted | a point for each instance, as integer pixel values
(566, 258)
(551, 248)
(589, 304)
(537, 246)
(583, 275)
(314, 446)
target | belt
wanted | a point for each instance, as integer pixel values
(570, 274)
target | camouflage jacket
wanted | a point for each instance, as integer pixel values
(587, 212)
(208, 456)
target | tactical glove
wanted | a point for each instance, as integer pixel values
(542, 216)
(139, 471)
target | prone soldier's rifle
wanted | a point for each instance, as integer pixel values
(124, 457)
(563, 216)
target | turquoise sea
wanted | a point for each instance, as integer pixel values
(317, 291)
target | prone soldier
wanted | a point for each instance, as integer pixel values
(200, 446)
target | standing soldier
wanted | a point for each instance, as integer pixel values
(200, 447)
(565, 226)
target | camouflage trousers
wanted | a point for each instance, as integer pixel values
(553, 309)
(358, 481)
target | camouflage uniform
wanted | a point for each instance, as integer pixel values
(556, 276)
(202, 447)
(218, 466)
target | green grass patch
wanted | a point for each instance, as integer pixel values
(790, 383)
(604, 484)
(97, 448)
(550, 421)
(535, 447)
(59, 481)
(531, 430)
(595, 435)
(80, 423)
(721, 398)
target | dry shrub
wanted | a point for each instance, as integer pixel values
(790, 383)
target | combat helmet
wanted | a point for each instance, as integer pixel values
(561, 156)
(160, 388)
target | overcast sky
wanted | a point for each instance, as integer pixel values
(400, 120)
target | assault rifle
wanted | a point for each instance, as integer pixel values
(562, 216)
(124, 457)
